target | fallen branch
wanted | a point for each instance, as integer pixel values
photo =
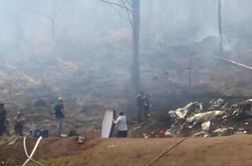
(68, 65)
(82, 100)
(233, 62)
(135, 128)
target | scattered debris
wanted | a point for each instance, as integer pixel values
(63, 135)
(168, 134)
(137, 127)
(145, 135)
(80, 140)
(200, 134)
(13, 141)
(206, 125)
(111, 146)
(223, 132)
(218, 120)
(216, 104)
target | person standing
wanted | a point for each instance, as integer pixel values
(6, 127)
(140, 106)
(19, 124)
(59, 115)
(3, 118)
(147, 106)
(121, 123)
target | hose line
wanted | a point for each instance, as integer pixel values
(164, 153)
(33, 151)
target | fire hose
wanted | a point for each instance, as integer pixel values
(161, 155)
(33, 151)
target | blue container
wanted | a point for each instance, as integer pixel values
(45, 133)
(31, 132)
(36, 133)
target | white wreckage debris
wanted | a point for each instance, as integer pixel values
(179, 116)
(218, 104)
(204, 117)
(182, 113)
(206, 126)
(216, 133)
(219, 111)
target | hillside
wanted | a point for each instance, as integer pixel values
(73, 50)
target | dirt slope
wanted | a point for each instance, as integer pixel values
(221, 151)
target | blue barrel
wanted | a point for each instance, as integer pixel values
(31, 132)
(36, 133)
(45, 133)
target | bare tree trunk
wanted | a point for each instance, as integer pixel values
(220, 27)
(135, 76)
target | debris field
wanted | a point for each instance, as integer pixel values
(220, 118)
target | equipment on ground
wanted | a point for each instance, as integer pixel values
(153, 135)
(36, 133)
(107, 126)
(161, 134)
(29, 158)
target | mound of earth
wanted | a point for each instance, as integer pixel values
(218, 151)
(50, 152)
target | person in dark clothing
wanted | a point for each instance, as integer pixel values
(59, 115)
(147, 106)
(19, 124)
(140, 105)
(3, 115)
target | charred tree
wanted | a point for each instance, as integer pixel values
(133, 17)
(135, 43)
(52, 17)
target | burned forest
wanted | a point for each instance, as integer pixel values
(81, 79)
(97, 54)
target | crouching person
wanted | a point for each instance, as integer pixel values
(121, 123)
(19, 124)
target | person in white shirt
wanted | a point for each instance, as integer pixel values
(121, 123)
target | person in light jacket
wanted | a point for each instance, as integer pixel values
(19, 124)
(121, 123)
